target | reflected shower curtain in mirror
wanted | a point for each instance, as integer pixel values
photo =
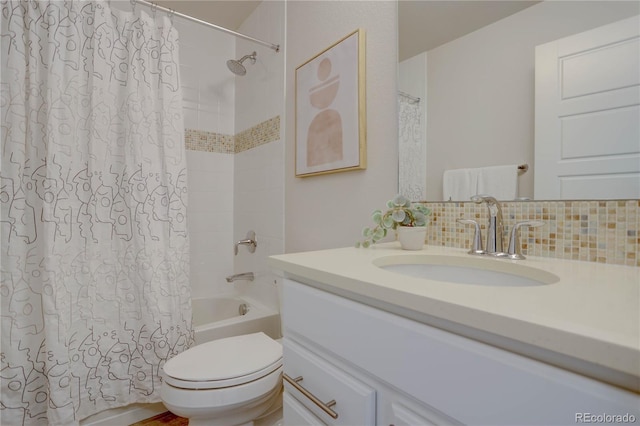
(412, 150)
(95, 292)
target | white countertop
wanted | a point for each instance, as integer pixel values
(588, 321)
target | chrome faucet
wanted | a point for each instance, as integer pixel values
(494, 244)
(249, 241)
(476, 247)
(495, 235)
(248, 276)
(513, 252)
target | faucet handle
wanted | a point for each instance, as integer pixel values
(513, 252)
(249, 241)
(476, 248)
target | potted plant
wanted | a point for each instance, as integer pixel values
(408, 219)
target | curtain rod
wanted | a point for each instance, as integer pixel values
(171, 12)
(406, 95)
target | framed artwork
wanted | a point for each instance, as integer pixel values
(330, 109)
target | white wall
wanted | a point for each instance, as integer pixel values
(481, 92)
(208, 100)
(211, 217)
(207, 84)
(259, 172)
(330, 210)
(259, 195)
(260, 93)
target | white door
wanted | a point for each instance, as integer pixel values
(587, 114)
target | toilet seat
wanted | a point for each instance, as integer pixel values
(224, 363)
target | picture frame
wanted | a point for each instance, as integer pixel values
(330, 111)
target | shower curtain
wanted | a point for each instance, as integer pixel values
(95, 292)
(412, 150)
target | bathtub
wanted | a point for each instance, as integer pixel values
(219, 317)
(213, 318)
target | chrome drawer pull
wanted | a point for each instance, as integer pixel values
(326, 407)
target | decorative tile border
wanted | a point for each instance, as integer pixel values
(265, 132)
(593, 231)
(199, 140)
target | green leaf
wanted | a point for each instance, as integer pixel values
(377, 217)
(357, 244)
(401, 201)
(366, 244)
(423, 209)
(398, 215)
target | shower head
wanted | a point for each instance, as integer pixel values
(237, 68)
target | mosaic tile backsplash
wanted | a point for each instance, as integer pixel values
(593, 231)
(265, 132)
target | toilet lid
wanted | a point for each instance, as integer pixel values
(224, 359)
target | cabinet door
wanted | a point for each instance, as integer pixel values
(399, 414)
(322, 383)
(296, 414)
(402, 416)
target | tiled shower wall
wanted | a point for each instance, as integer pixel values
(229, 175)
(234, 152)
(208, 90)
(258, 188)
(259, 151)
(593, 231)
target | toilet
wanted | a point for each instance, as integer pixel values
(225, 382)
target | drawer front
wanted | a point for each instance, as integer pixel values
(296, 414)
(401, 412)
(403, 416)
(322, 382)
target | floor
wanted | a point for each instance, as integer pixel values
(164, 419)
(170, 419)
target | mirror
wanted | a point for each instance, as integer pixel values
(468, 70)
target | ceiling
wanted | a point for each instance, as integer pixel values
(225, 13)
(424, 24)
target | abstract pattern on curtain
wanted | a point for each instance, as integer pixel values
(412, 153)
(95, 292)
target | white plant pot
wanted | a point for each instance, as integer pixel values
(412, 237)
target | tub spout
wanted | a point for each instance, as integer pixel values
(248, 276)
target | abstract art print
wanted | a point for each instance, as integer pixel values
(330, 109)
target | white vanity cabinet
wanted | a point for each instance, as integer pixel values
(384, 369)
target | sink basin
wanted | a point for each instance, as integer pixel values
(462, 270)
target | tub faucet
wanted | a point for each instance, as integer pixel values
(248, 276)
(249, 241)
(494, 244)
